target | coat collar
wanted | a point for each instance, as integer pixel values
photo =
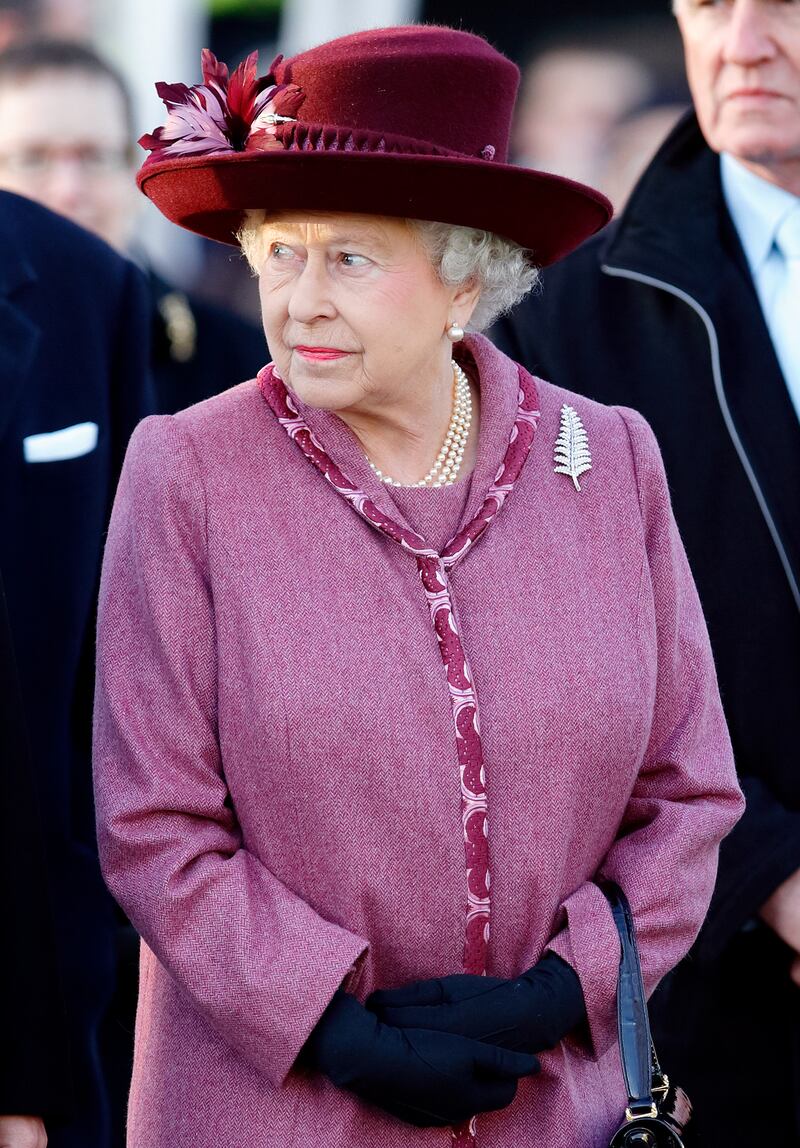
(499, 385)
(676, 223)
(677, 229)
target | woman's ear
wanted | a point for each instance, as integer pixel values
(464, 302)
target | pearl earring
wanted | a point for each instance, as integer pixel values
(455, 333)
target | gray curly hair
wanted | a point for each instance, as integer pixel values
(503, 270)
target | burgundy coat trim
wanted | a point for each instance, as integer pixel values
(433, 570)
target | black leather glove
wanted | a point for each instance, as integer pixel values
(429, 1079)
(531, 1013)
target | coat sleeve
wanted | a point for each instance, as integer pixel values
(253, 958)
(686, 796)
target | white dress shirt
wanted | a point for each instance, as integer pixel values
(767, 219)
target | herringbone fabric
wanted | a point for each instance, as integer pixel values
(277, 779)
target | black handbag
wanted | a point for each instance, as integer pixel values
(657, 1112)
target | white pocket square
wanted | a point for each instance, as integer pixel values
(54, 446)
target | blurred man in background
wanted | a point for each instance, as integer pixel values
(689, 307)
(66, 140)
(632, 145)
(74, 368)
(593, 113)
(572, 98)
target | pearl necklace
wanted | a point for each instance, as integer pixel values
(444, 471)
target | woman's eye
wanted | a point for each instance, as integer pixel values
(280, 251)
(351, 260)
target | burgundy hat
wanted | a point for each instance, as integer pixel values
(408, 121)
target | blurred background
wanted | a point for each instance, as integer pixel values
(599, 91)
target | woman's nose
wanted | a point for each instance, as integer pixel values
(311, 296)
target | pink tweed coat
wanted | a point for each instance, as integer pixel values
(278, 786)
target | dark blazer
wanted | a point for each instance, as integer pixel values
(34, 1057)
(74, 353)
(199, 349)
(659, 312)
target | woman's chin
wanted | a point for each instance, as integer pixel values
(321, 383)
(318, 391)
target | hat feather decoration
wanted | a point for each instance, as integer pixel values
(238, 112)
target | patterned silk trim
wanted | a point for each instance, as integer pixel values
(433, 570)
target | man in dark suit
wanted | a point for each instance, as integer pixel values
(688, 308)
(74, 368)
(67, 141)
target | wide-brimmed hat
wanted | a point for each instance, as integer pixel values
(407, 121)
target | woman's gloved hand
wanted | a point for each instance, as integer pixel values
(430, 1079)
(531, 1013)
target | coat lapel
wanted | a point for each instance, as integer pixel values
(498, 381)
(500, 400)
(759, 399)
(698, 251)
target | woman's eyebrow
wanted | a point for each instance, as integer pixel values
(292, 233)
(369, 239)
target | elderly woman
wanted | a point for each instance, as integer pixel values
(312, 584)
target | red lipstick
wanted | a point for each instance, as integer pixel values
(321, 354)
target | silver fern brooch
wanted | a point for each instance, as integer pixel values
(572, 455)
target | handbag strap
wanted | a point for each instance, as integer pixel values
(640, 1065)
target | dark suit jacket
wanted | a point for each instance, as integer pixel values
(34, 1057)
(659, 312)
(74, 353)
